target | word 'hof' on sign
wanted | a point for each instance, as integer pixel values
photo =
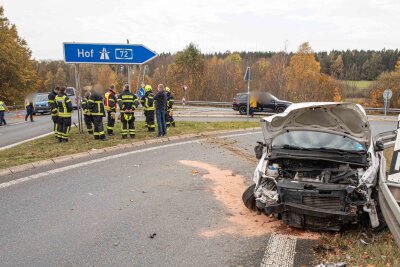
(107, 53)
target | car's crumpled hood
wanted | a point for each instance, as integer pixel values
(346, 119)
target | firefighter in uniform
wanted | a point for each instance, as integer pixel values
(64, 107)
(110, 105)
(96, 109)
(87, 117)
(170, 102)
(127, 102)
(53, 108)
(148, 108)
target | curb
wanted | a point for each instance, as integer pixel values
(47, 162)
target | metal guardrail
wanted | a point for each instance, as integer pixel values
(389, 187)
(229, 104)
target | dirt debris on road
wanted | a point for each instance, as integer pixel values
(227, 188)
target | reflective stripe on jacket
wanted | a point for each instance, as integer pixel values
(64, 105)
(96, 105)
(52, 103)
(110, 101)
(148, 102)
(127, 101)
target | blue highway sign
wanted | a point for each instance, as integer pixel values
(107, 53)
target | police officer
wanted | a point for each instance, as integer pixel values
(96, 109)
(110, 105)
(170, 102)
(127, 102)
(64, 107)
(53, 109)
(87, 117)
(148, 108)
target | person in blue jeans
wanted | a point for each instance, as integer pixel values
(161, 103)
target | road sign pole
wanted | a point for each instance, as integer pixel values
(247, 77)
(79, 98)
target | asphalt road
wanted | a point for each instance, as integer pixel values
(102, 211)
(20, 131)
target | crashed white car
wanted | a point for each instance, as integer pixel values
(318, 168)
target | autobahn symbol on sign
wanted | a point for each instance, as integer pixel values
(107, 53)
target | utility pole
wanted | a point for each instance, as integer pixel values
(247, 77)
(129, 69)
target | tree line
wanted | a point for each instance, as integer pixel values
(303, 75)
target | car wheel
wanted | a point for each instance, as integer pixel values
(280, 109)
(243, 110)
(249, 199)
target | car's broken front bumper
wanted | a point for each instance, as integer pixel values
(312, 206)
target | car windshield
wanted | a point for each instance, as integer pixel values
(70, 92)
(310, 140)
(41, 98)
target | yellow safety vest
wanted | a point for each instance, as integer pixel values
(2, 108)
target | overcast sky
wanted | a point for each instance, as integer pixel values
(214, 25)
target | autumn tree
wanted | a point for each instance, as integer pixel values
(17, 75)
(303, 75)
(397, 67)
(387, 80)
(189, 67)
(105, 76)
(337, 68)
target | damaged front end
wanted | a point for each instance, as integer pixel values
(315, 194)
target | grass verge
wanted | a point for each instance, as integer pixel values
(48, 147)
(381, 249)
(363, 84)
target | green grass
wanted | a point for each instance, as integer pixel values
(358, 84)
(347, 247)
(48, 147)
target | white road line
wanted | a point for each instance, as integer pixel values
(280, 251)
(27, 140)
(78, 165)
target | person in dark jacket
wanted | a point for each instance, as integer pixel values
(29, 109)
(170, 103)
(96, 109)
(64, 107)
(87, 117)
(127, 102)
(161, 104)
(110, 105)
(148, 107)
(53, 109)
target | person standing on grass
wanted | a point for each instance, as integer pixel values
(127, 102)
(161, 104)
(87, 117)
(64, 107)
(53, 109)
(110, 105)
(3, 109)
(29, 109)
(96, 109)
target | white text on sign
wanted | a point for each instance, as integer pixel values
(83, 53)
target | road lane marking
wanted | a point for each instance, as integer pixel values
(27, 140)
(280, 251)
(78, 165)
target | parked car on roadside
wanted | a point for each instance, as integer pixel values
(41, 104)
(71, 93)
(319, 167)
(265, 103)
